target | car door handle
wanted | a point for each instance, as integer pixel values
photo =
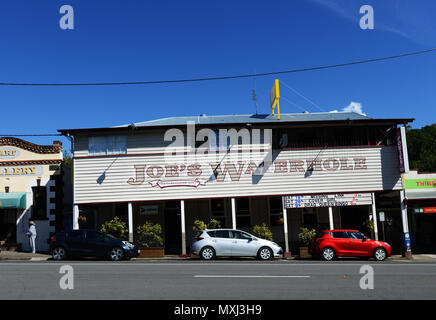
(235, 241)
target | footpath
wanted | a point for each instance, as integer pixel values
(26, 256)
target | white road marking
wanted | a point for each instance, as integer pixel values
(246, 276)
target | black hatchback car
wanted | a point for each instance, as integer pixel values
(90, 243)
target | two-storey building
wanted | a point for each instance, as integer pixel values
(335, 170)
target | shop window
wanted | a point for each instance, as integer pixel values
(243, 217)
(275, 211)
(218, 211)
(107, 145)
(39, 210)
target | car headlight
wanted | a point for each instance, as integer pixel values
(276, 244)
(387, 244)
(128, 244)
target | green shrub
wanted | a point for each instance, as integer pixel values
(213, 224)
(150, 235)
(200, 225)
(306, 235)
(115, 227)
(263, 232)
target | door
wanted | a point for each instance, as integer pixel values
(98, 244)
(243, 244)
(173, 228)
(223, 242)
(341, 239)
(358, 246)
(77, 243)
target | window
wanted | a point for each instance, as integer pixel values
(243, 218)
(95, 236)
(356, 235)
(340, 235)
(39, 203)
(107, 145)
(241, 235)
(219, 234)
(76, 235)
(218, 211)
(275, 211)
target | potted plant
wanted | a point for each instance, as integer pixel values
(200, 225)
(305, 236)
(368, 227)
(115, 227)
(150, 240)
(263, 232)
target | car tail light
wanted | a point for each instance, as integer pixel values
(198, 238)
(53, 239)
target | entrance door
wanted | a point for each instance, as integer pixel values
(173, 226)
(8, 227)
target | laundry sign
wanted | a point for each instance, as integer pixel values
(328, 200)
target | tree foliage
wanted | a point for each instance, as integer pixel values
(421, 148)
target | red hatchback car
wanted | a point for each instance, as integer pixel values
(348, 243)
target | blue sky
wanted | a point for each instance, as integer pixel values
(146, 40)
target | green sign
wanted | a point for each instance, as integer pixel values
(420, 183)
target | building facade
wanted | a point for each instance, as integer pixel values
(30, 189)
(319, 170)
(421, 202)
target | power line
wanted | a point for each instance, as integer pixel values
(31, 135)
(218, 78)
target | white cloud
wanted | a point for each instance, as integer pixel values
(352, 107)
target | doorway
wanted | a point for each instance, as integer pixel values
(172, 229)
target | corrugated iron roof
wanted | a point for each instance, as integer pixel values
(251, 118)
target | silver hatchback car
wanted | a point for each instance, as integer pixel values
(230, 243)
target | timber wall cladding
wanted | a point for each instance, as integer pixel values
(154, 177)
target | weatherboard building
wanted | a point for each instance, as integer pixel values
(318, 170)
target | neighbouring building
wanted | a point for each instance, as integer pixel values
(421, 202)
(31, 188)
(319, 170)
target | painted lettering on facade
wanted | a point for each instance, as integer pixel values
(166, 175)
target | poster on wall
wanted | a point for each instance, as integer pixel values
(149, 210)
(328, 200)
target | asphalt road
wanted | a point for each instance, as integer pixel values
(216, 280)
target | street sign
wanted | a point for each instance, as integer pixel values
(381, 216)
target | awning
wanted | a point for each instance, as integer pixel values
(13, 200)
(420, 195)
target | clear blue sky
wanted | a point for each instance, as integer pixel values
(142, 40)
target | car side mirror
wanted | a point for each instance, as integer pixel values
(364, 239)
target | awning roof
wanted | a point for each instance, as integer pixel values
(420, 195)
(13, 200)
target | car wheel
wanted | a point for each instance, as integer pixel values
(116, 254)
(265, 253)
(380, 254)
(328, 254)
(207, 253)
(59, 253)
